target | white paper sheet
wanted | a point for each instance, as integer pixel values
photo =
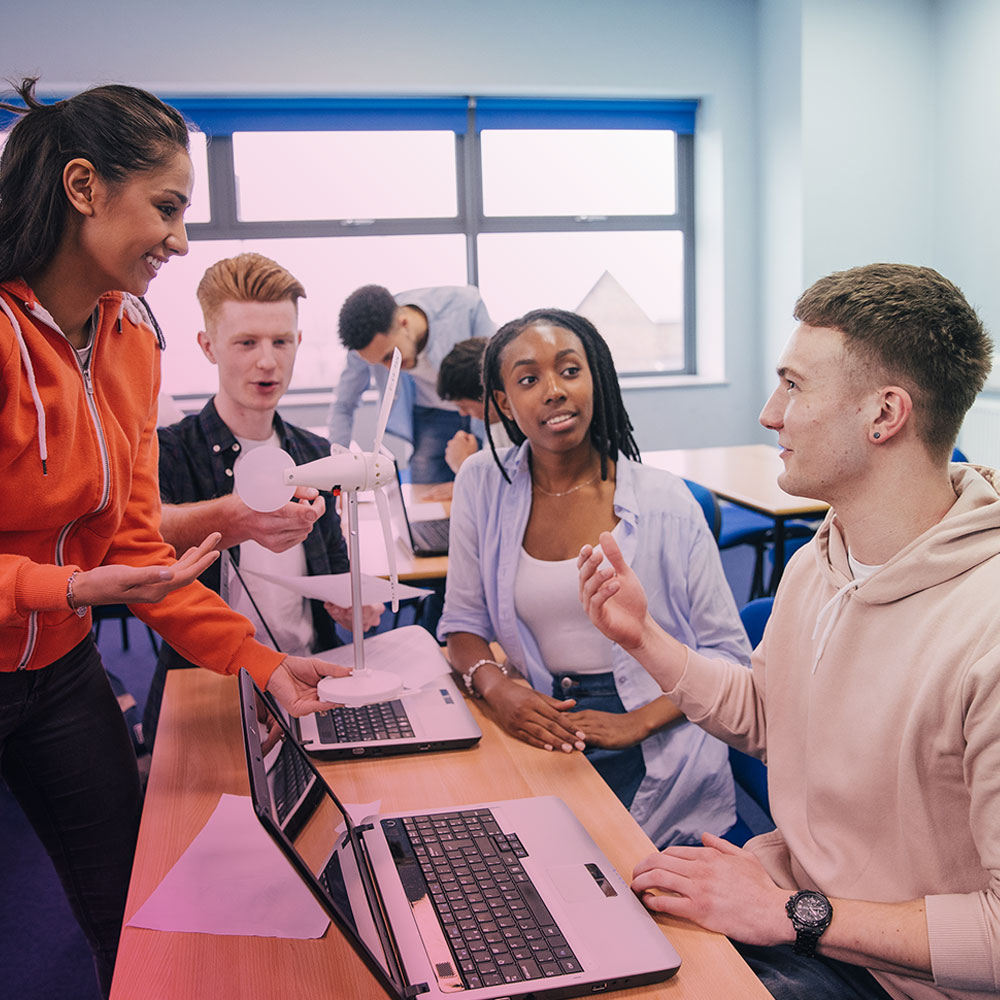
(410, 652)
(233, 879)
(336, 587)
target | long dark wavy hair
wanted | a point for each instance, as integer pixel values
(610, 428)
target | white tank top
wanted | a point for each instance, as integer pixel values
(546, 599)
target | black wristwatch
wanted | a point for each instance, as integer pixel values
(810, 913)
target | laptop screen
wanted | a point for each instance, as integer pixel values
(309, 824)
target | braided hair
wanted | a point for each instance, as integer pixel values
(610, 427)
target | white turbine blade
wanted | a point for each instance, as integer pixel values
(388, 396)
(382, 504)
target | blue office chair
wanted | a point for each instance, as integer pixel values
(709, 505)
(753, 808)
(958, 455)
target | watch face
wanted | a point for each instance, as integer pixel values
(811, 908)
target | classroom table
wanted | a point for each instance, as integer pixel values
(746, 475)
(199, 755)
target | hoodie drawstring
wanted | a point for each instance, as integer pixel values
(834, 617)
(43, 447)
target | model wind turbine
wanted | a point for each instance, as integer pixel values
(266, 479)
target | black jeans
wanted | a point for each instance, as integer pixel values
(66, 754)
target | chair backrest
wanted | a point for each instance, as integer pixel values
(754, 617)
(958, 455)
(709, 506)
(751, 774)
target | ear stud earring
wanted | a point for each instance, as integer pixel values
(876, 435)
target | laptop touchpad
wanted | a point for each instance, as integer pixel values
(576, 882)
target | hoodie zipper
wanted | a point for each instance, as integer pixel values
(95, 417)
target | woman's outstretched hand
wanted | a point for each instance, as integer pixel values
(115, 584)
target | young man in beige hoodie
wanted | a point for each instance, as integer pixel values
(874, 696)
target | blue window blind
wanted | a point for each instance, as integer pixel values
(519, 113)
(225, 115)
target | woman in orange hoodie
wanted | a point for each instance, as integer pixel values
(93, 191)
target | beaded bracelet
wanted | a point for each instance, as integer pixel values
(81, 611)
(470, 673)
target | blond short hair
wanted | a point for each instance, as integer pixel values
(248, 277)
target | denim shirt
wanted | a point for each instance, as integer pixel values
(688, 787)
(197, 457)
(454, 313)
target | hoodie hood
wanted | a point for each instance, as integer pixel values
(966, 536)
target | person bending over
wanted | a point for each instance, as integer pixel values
(424, 323)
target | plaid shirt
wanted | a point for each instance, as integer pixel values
(197, 457)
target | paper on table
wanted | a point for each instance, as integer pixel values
(411, 653)
(336, 587)
(232, 879)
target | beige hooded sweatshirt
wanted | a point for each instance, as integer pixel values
(876, 706)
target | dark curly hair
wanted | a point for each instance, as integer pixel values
(120, 130)
(610, 428)
(460, 374)
(366, 311)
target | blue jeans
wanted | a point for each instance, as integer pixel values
(622, 770)
(794, 977)
(67, 756)
(432, 430)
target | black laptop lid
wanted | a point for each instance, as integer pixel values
(308, 823)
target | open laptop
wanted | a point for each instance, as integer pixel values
(431, 714)
(503, 899)
(420, 538)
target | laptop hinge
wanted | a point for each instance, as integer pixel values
(413, 991)
(364, 828)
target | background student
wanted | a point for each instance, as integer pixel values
(93, 191)
(251, 335)
(875, 693)
(517, 521)
(424, 324)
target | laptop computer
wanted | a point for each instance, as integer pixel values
(430, 714)
(420, 538)
(501, 899)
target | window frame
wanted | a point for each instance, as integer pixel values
(465, 117)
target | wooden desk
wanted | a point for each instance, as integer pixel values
(746, 475)
(199, 755)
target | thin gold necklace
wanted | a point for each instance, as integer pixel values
(566, 493)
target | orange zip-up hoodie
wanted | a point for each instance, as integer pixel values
(78, 488)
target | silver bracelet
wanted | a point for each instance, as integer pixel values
(470, 673)
(81, 611)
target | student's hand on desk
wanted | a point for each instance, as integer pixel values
(613, 596)
(282, 529)
(115, 584)
(609, 730)
(294, 682)
(534, 717)
(439, 493)
(718, 886)
(462, 446)
(371, 615)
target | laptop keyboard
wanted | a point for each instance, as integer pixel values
(291, 778)
(432, 534)
(498, 929)
(386, 720)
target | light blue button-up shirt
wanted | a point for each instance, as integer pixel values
(454, 313)
(688, 787)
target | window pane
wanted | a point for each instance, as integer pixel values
(345, 175)
(630, 285)
(578, 172)
(330, 269)
(199, 210)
